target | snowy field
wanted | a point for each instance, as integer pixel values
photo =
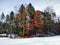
(55, 40)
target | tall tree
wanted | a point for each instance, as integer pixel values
(48, 21)
(21, 9)
(2, 16)
(12, 15)
(7, 18)
(2, 20)
(11, 22)
(31, 9)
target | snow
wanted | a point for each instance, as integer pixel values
(55, 40)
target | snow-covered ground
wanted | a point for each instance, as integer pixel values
(55, 40)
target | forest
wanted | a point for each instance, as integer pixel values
(29, 22)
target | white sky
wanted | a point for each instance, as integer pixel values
(8, 5)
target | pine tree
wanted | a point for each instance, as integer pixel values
(21, 9)
(2, 16)
(48, 22)
(12, 15)
(31, 10)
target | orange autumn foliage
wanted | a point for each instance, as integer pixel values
(38, 23)
(20, 16)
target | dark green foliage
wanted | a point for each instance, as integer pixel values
(11, 15)
(31, 9)
(0, 25)
(48, 22)
(47, 15)
(7, 17)
(21, 9)
(2, 16)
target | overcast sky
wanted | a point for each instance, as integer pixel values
(8, 5)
